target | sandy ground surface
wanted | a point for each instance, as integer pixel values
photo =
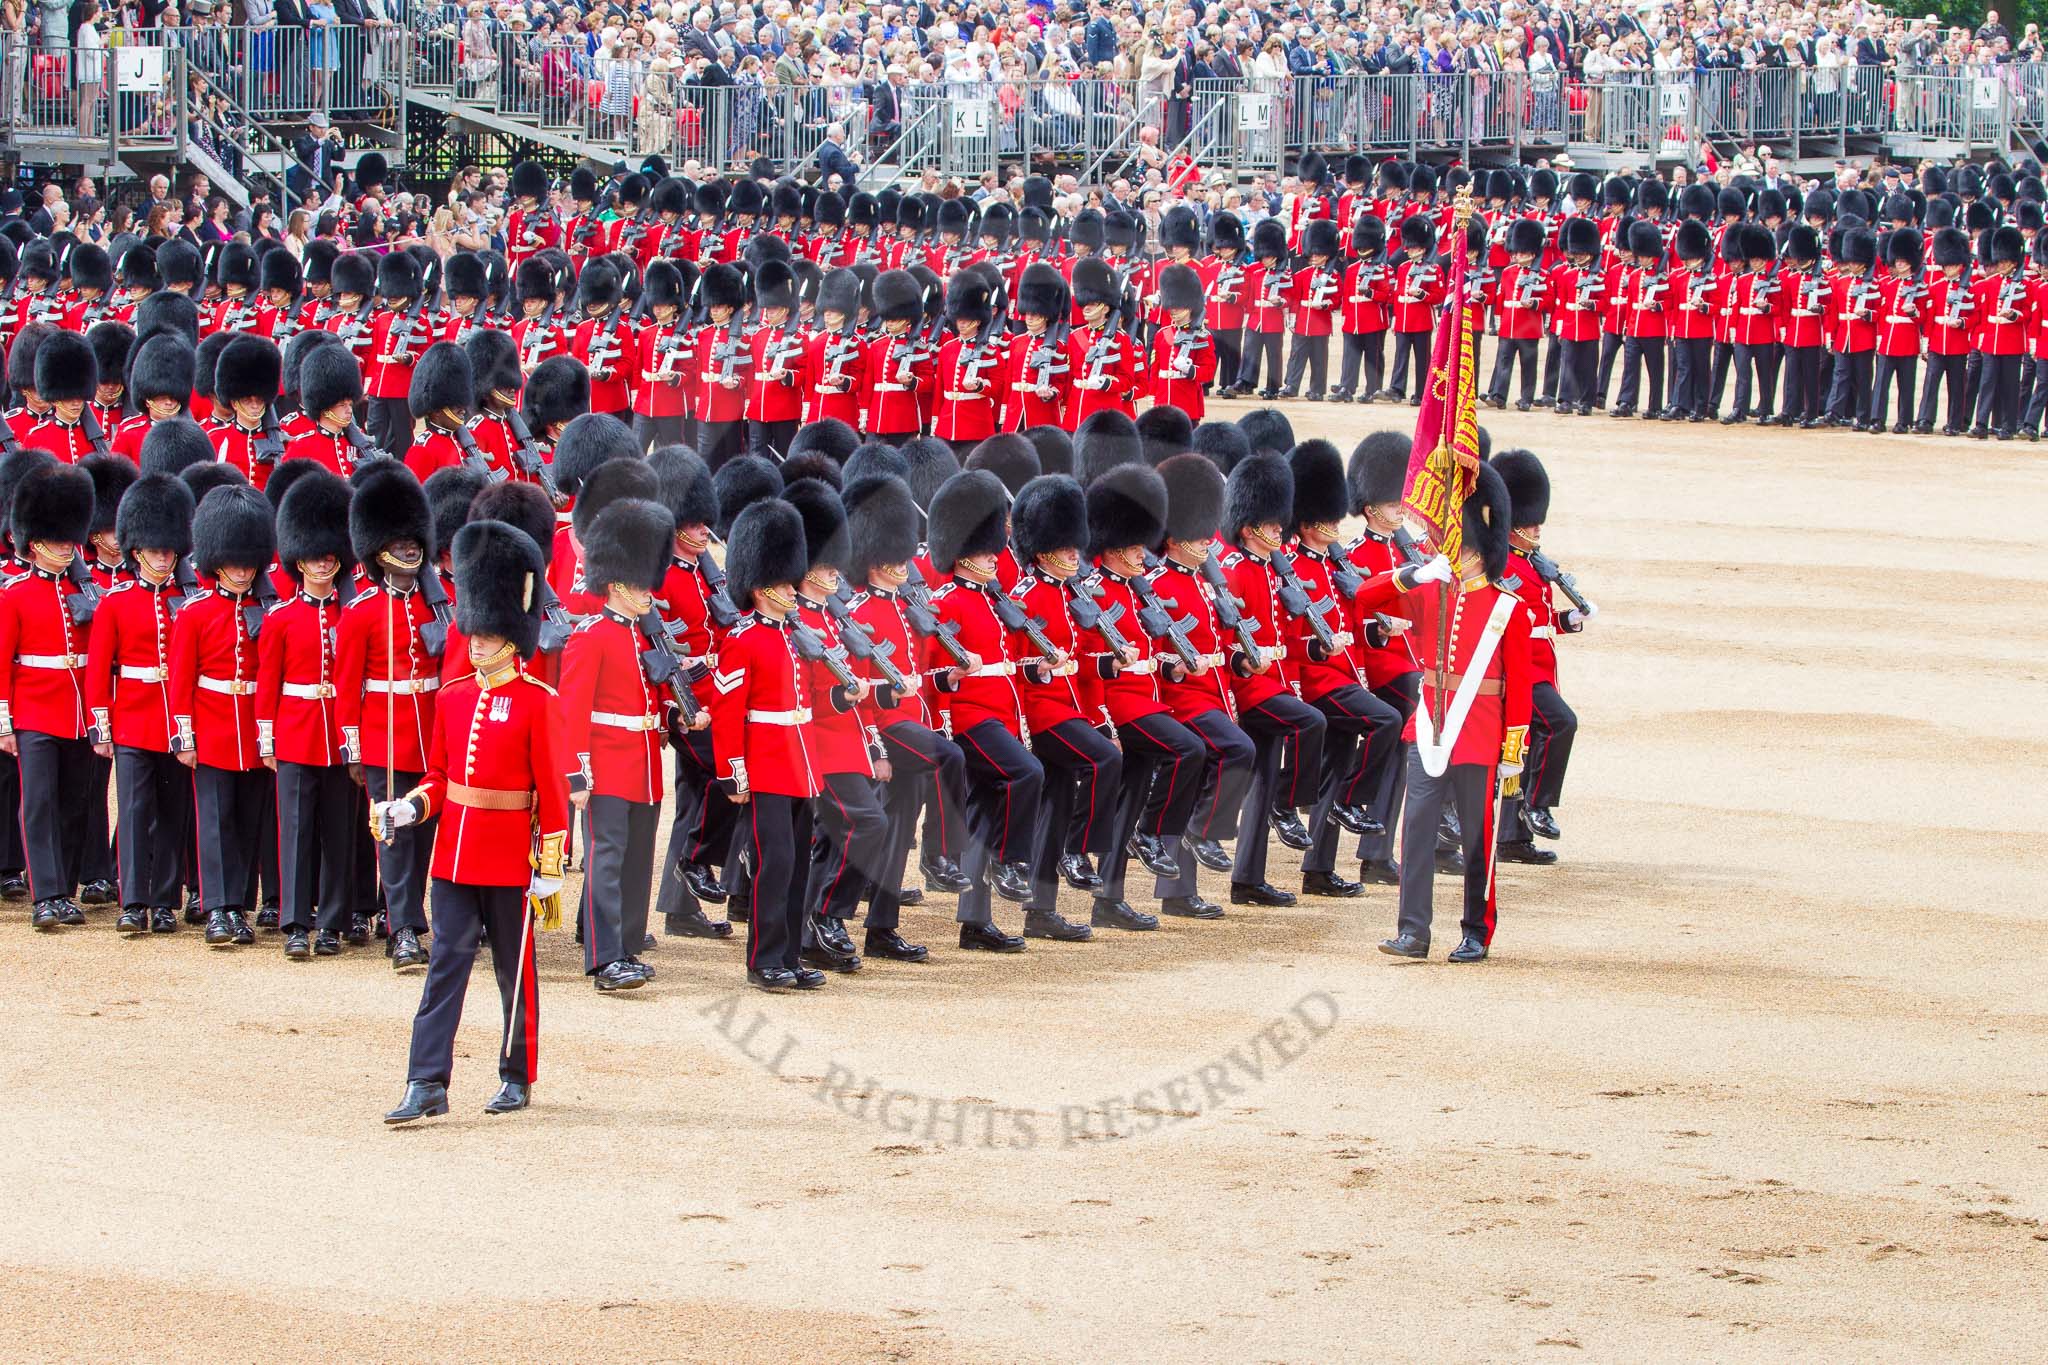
(1756, 1071)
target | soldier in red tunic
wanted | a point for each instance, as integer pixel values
(214, 645)
(776, 357)
(441, 398)
(43, 718)
(494, 780)
(835, 377)
(111, 344)
(970, 380)
(762, 702)
(67, 374)
(724, 366)
(127, 677)
(237, 309)
(160, 386)
(92, 284)
(1183, 351)
(662, 359)
(1106, 366)
(1040, 379)
(297, 730)
(529, 227)
(1488, 683)
(330, 391)
(614, 723)
(243, 430)
(387, 671)
(896, 375)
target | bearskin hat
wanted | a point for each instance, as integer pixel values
(1042, 292)
(280, 270)
(516, 503)
(765, 548)
(112, 477)
(1178, 226)
(1320, 492)
(606, 484)
(998, 220)
(1050, 514)
(1770, 204)
(235, 267)
(1126, 506)
(1904, 244)
(875, 459)
(1525, 237)
(1951, 247)
(329, 375)
(389, 506)
(493, 360)
(722, 286)
(898, 297)
(1690, 243)
(1757, 242)
(1582, 186)
(1488, 518)
(498, 569)
(1393, 175)
(830, 210)
(2027, 216)
(21, 356)
(955, 216)
(353, 274)
(775, 285)
(1696, 201)
(442, 379)
(969, 295)
(598, 285)
(1034, 225)
(1095, 282)
(312, 521)
(1223, 444)
(739, 483)
(590, 440)
(1543, 187)
(178, 262)
(533, 279)
(1194, 497)
(882, 523)
(1802, 244)
(1418, 233)
(558, 391)
(631, 542)
(206, 370)
(1368, 237)
(138, 268)
(1103, 441)
(685, 485)
(66, 368)
(1269, 239)
(786, 199)
(1527, 484)
(91, 268)
(1268, 429)
(839, 293)
(166, 314)
(2000, 244)
(747, 198)
(398, 276)
(1226, 231)
(529, 180)
(1422, 178)
(813, 464)
(1579, 237)
(155, 514)
(1319, 238)
(1164, 431)
(204, 478)
(763, 247)
(931, 463)
(825, 537)
(450, 490)
(233, 528)
(1645, 239)
(1378, 471)
(15, 466)
(283, 475)
(249, 367)
(967, 517)
(1858, 246)
(1120, 229)
(1261, 490)
(1616, 192)
(1008, 456)
(174, 445)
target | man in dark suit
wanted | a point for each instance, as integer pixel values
(885, 109)
(319, 151)
(1869, 51)
(833, 160)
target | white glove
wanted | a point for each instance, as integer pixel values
(398, 814)
(1438, 570)
(1592, 610)
(1510, 770)
(540, 888)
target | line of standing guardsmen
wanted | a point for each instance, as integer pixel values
(280, 609)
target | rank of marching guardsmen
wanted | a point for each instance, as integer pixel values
(373, 583)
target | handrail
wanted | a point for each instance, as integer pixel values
(897, 148)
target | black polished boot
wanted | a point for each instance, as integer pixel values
(1153, 852)
(1053, 925)
(703, 885)
(1210, 854)
(512, 1096)
(1119, 915)
(893, 947)
(1078, 874)
(1291, 831)
(694, 923)
(423, 1100)
(1329, 884)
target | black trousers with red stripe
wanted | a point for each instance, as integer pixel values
(1552, 728)
(1003, 786)
(316, 848)
(54, 784)
(618, 878)
(1273, 724)
(849, 842)
(921, 760)
(1163, 762)
(1468, 786)
(460, 913)
(1383, 802)
(155, 822)
(1360, 738)
(700, 830)
(402, 864)
(231, 811)
(1084, 775)
(774, 829)
(1227, 758)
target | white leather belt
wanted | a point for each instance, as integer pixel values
(50, 660)
(1212, 660)
(309, 691)
(1142, 667)
(800, 716)
(969, 397)
(144, 675)
(622, 722)
(1543, 632)
(1001, 670)
(891, 388)
(1900, 318)
(227, 687)
(404, 687)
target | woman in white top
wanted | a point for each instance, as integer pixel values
(92, 64)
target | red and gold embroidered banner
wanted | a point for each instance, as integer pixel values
(1444, 463)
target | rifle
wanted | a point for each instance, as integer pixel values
(1158, 622)
(1230, 612)
(1547, 570)
(537, 336)
(1013, 617)
(1088, 614)
(526, 454)
(268, 447)
(555, 625)
(474, 458)
(93, 433)
(365, 449)
(1961, 297)
(605, 348)
(843, 345)
(265, 593)
(863, 646)
(811, 646)
(662, 665)
(917, 604)
(85, 599)
(434, 633)
(716, 600)
(401, 354)
(1295, 599)
(187, 580)
(352, 331)
(1049, 359)
(1098, 350)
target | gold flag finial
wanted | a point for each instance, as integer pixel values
(1461, 206)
